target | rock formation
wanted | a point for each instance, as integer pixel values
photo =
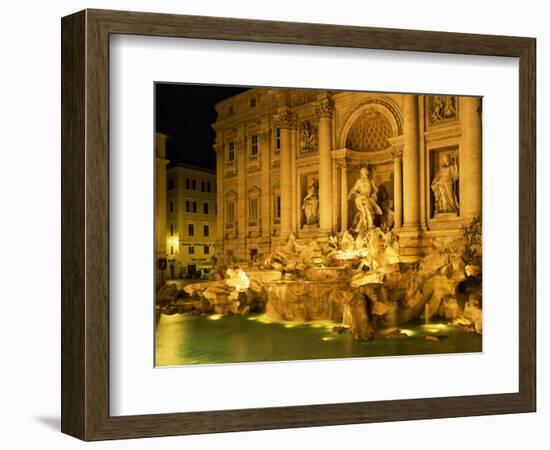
(357, 281)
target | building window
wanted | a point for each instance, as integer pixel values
(254, 149)
(208, 187)
(253, 216)
(253, 206)
(230, 212)
(191, 250)
(230, 110)
(277, 208)
(202, 186)
(205, 230)
(231, 152)
(171, 249)
(194, 185)
(171, 206)
(190, 206)
(187, 183)
(230, 201)
(205, 208)
(171, 184)
(206, 249)
(171, 230)
(191, 229)
(252, 102)
(277, 139)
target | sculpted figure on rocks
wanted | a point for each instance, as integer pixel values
(364, 192)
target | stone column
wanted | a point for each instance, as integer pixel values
(265, 209)
(335, 206)
(220, 219)
(470, 157)
(293, 180)
(240, 156)
(324, 110)
(344, 191)
(286, 121)
(397, 153)
(411, 164)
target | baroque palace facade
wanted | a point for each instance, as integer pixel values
(288, 161)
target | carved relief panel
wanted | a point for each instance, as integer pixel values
(307, 137)
(442, 108)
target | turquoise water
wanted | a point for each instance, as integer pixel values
(183, 339)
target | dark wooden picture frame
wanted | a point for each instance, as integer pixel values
(85, 224)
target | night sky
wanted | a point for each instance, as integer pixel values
(185, 112)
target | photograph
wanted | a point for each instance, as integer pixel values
(301, 224)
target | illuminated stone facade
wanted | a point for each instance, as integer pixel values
(191, 219)
(288, 158)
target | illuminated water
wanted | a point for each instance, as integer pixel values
(183, 339)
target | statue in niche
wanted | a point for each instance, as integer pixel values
(365, 193)
(444, 186)
(388, 218)
(307, 137)
(443, 107)
(310, 204)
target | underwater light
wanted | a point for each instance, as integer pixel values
(409, 333)
(435, 327)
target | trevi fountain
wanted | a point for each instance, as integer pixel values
(350, 294)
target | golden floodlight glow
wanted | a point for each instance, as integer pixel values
(435, 327)
(409, 333)
(352, 254)
(264, 319)
(173, 242)
(238, 279)
(215, 317)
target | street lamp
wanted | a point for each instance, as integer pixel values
(173, 244)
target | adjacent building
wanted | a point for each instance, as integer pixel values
(287, 160)
(160, 207)
(190, 219)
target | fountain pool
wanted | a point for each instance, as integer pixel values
(185, 339)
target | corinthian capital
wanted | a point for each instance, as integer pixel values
(397, 152)
(342, 163)
(285, 119)
(265, 134)
(325, 107)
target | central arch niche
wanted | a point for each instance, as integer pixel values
(366, 136)
(370, 132)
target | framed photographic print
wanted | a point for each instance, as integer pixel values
(313, 224)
